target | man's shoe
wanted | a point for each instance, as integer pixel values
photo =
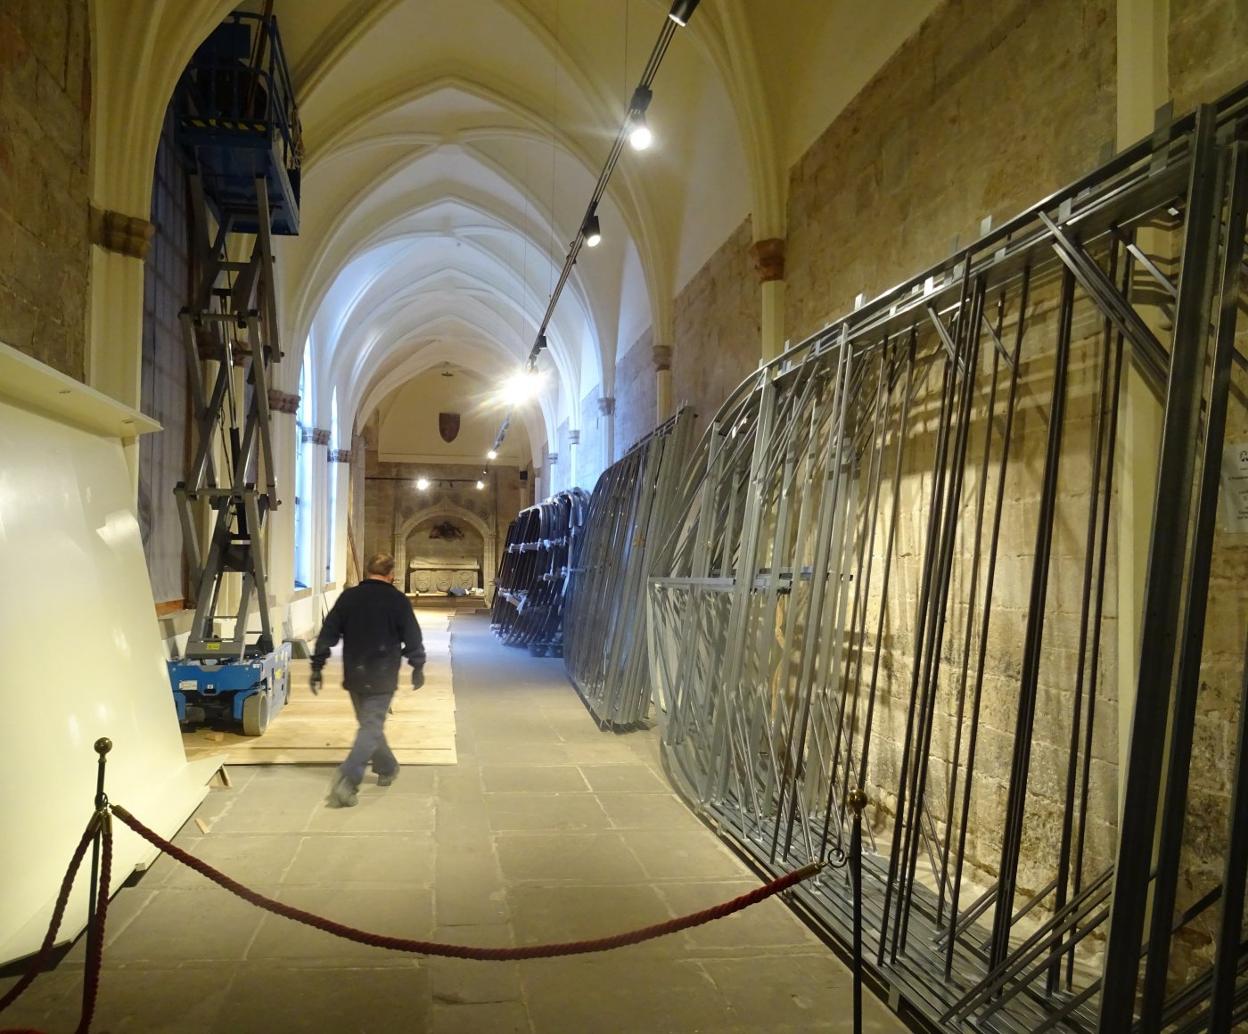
(342, 794)
(386, 780)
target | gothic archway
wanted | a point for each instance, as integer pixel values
(452, 512)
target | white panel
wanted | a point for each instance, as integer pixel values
(82, 658)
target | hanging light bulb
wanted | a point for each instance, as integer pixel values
(492, 454)
(480, 485)
(640, 136)
(592, 231)
(422, 484)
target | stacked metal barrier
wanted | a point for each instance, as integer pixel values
(542, 543)
(897, 566)
(631, 510)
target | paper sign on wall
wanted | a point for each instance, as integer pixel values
(1235, 486)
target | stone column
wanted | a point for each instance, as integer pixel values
(339, 469)
(662, 356)
(768, 258)
(574, 452)
(281, 522)
(115, 328)
(606, 408)
(318, 436)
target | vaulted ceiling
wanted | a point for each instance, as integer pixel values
(451, 147)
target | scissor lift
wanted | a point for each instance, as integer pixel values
(237, 131)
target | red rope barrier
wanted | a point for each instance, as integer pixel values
(58, 914)
(95, 957)
(460, 951)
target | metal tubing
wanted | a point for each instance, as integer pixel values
(1161, 622)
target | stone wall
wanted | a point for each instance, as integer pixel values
(45, 104)
(635, 403)
(1207, 43)
(986, 109)
(717, 328)
(392, 500)
(590, 452)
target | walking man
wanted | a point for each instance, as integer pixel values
(378, 628)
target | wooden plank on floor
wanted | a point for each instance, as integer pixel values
(320, 729)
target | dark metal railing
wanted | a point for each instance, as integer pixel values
(894, 565)
(543, 543)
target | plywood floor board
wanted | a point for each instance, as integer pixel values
(318, 730)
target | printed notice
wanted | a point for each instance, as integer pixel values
(1235, 486)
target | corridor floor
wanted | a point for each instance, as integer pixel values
(546, 830)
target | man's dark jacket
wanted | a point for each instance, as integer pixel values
(377, 626)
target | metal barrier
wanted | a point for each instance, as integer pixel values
(543, 542)
(894, 567)
(631, 510)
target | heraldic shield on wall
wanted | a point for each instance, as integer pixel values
(448, 426)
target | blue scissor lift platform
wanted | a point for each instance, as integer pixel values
(237, 131)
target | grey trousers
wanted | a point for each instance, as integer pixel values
(370, 739)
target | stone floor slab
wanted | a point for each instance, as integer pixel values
(345, 859)
(593, 858)
(623, 995)
(571, 813)
(394, 911)
(267, 998)
(532, 779)
(627, 778)
(648, 811)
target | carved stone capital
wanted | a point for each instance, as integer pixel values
(316, 435)
(574, 436)
(283, 402)
(768, 258)
(662, 356)
(553, 458)
(339, 456)
(606, 405)
(124, 234)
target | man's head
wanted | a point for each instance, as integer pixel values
(381, 567)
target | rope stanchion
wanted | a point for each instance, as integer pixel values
(95, 948)
(58, 914)
(461, 951)
(99, 834)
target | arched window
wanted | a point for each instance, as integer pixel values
(332, 493)
(303, 474)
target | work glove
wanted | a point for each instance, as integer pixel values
(418, 677)
(315, 682)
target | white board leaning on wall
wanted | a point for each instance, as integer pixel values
(80, 653)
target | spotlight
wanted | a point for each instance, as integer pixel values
(682, 11)
(592, 231)
(492, 455)
(640, 137)
(480, 485)
(422, 484)
(520, 387)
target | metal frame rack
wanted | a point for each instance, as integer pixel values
(893, 567)
(237, 131)
(604, 626)
(543, 543)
